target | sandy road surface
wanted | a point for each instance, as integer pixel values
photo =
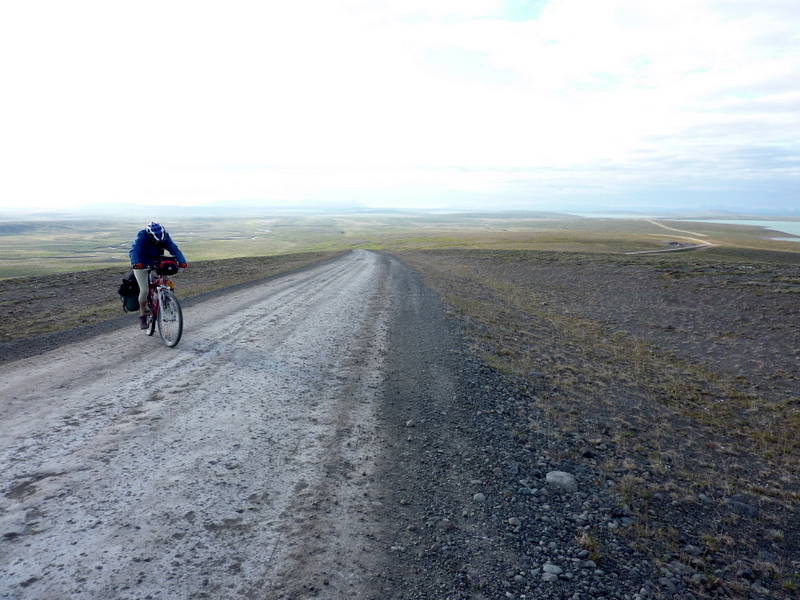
(130, 470)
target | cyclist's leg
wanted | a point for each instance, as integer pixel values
(142, 281)
(142, 278)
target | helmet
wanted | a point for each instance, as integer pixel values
(156, 231)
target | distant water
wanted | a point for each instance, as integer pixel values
(618, 216)
(791, 227)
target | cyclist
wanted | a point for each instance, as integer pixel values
(147, 249)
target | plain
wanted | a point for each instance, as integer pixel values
(665, 351)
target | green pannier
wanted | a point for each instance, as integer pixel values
(129, 293)
(130, 303)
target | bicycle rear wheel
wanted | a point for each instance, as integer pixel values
(170, 319)
(151, 320)
(152, 308)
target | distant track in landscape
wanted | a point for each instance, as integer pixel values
(699, 243)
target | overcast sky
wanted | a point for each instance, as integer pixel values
(452, 103)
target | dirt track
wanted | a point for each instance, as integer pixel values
(212, 469)
(325, 434)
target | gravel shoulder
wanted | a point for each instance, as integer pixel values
(657, 382)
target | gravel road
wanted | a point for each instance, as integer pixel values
(324, 434)
(212, 470)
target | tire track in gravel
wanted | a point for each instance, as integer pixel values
(226, 467)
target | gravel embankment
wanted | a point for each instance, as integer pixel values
(488, 513)
(471, 506)
(474, 508)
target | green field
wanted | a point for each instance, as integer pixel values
(39, 247)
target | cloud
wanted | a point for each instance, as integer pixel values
(114, 101)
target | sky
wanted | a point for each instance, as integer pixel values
(535, 104)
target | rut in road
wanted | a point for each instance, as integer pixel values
(215, 469)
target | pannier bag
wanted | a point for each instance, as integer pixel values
(130, 303)
(167, 266)
(129, 292)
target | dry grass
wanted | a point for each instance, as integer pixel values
(590, 543)
(516, 331)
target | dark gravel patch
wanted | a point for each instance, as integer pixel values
(647, 531)
(467, 506)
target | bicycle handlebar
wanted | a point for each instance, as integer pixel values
(154, 267)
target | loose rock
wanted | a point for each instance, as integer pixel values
(565, 481)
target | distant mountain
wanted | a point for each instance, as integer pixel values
(262, 208)
(104, 210)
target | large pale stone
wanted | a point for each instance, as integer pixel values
(565, 481)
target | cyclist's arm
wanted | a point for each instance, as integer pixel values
(136, 247)
(173, 249)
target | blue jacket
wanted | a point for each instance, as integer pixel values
(147, 251)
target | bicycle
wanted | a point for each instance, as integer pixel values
(162, 304)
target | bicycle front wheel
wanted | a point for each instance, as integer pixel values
(170, 319)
